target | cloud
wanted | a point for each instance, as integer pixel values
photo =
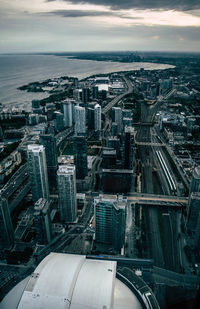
(87, 13)
(179, 5)
(78, 13)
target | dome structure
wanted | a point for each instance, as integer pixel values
(68, 281)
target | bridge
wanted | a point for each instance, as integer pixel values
(150, 144)
(164, 202)
(151, 199)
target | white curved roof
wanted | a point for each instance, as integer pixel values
(63, 281)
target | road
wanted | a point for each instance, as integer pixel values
(119, 97)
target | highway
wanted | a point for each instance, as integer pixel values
(119, 97)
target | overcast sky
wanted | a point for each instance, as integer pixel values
(99, 25)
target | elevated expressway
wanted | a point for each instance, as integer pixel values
(119, 97)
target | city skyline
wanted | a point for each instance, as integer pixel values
(93, 25)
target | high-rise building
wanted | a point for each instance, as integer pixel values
(80, 126)
(38, 172)
(195, 183)
(110, 220)
(67, 109)
(117, 117)
(85, 96)
(97, 117)
(95, 92)
(77, 94)
(42, 221)
(114, 142)
(59, 121)
(114, 129)
(49, 143)
(90, 118)
(80, 156)
(109, 156)
(75, 82)
(116, 180)
(193, 218)
(6, 227)
(67, 193)
(127, 147)
(35, 104)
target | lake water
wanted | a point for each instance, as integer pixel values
(17, 70)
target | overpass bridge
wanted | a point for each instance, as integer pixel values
(157, 199)
(150, 144)
(149, 199)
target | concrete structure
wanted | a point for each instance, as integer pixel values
(80, 156)
(67, 193)
(195, 183)
(49, 143)
(42, 221)
(110, 220)
(97, 117)
(38, 171)
(193, 218)
(80, 126)
(6, 227)
(68, 281)
(67, 109)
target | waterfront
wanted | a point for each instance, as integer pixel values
(17, 70)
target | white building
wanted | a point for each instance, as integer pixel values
(66, 176)
(67, 109)
(97, 117)
(38, 172)
(80, 125)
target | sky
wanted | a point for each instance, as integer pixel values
(99, 25)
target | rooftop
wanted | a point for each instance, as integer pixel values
(76, 282)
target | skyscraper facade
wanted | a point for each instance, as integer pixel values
(80, 121)
(127, 147)
(49, 143)
(38, 171)
(85, 96)
(67, 193)
(80, 156)
(42, 221)
(117, 117)
(110, 217)
(97, 117)
(67, 109)
(59, 121)
(6, 227)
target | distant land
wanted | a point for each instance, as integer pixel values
(132, 56)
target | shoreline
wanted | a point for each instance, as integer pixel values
(83, 69)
